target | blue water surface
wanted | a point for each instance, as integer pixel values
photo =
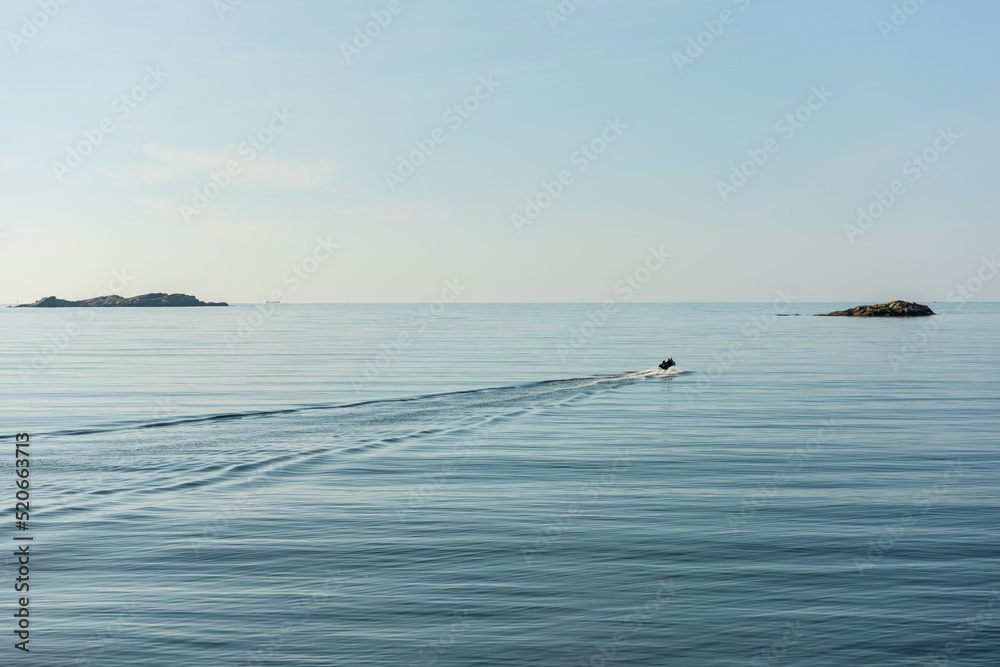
(505, 485)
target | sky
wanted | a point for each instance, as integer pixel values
(527, 150)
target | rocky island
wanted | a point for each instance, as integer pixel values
(891, 309)
(156, 300)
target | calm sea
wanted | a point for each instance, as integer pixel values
(504, 485)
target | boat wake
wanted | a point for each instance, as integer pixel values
(543, 391)
(234, 448)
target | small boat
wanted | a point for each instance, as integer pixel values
(269, 301)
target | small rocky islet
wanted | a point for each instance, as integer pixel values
(891, 309)
(153, 300)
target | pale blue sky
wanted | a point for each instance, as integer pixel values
(324, 175)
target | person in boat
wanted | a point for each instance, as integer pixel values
(667, 364)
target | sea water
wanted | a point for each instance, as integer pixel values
(504, 484)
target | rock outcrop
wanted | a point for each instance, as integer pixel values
(891, 309)
(157, 300)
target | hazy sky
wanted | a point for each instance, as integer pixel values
(184, 84)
